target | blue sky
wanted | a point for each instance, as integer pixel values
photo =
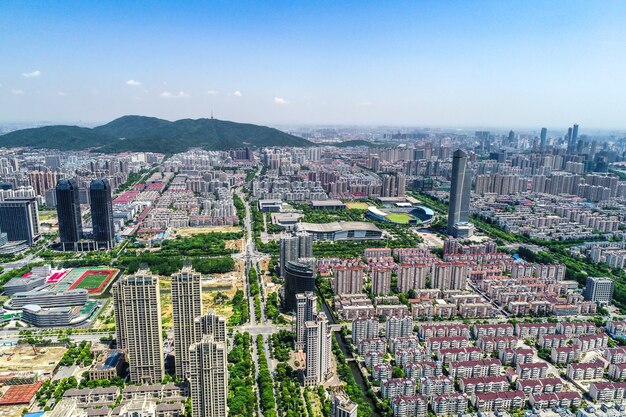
(440, 63)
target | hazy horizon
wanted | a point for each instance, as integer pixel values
(445, 65)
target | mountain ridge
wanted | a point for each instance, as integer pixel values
(151, 134)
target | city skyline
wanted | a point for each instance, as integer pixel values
(418, 64)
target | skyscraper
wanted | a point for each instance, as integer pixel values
(208, 376)
(68, 212)
(317, 350)
(102, 212)
(211, 324)
(19, 218)
(186, 307)
(294, 247)
(306, 309)
(460, 188)
(136, 301)
(299, 278)
(544, 139)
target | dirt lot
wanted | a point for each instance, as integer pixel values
(236, 244)
(11, 410)
(190, 231)
(225, 283)
(22, 358)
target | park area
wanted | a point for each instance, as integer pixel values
(357, 205)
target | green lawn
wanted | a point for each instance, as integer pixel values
(400, 218)
(357, 205)
(92, 281)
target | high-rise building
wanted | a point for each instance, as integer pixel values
(186, 307)
(398, 327)
(299, 278)
(211, 324)
(136, 301)
(458, 209)
(364, 328)
(306, 310)
(19, 219)
(317, 350)
(412, 276)
(599, 290)
(293, 248)
(68, 212)
(381, 280)
(544, 139)
(208, 377)
(102, 212)
(347, 279)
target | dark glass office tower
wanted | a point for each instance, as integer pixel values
(460, 188)
(68, 211)
(102, 211)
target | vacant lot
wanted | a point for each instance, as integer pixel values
(24, 358)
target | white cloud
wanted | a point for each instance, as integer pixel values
(180, 94)
(17, 92)
(133, 83)
(212, 92)
(237, 93)
(365, 103)
(62, 93)
(32, 74)
(280, 100)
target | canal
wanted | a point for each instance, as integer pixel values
(354, 368)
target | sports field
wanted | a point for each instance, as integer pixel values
(94, 280)
(400, 218)
(357, 205)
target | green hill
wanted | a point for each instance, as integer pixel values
(65, 138)
(149, 134)
(355, 142)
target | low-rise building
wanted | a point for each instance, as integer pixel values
(470, 386)
(474, 369)
(494, 344)
(549, 341)
(470, 353)
(410, 406)
(397, 386)
(585, 371)
(449, 404)
(415, 370)
(492, 330)
(436, 385)
(498, 401)
(617, 371)
(607, 391)
(533, 370)
(109, 365)
(615, 355)
(534, 330)
(539, 386)
(566, 399)
(564, 355)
